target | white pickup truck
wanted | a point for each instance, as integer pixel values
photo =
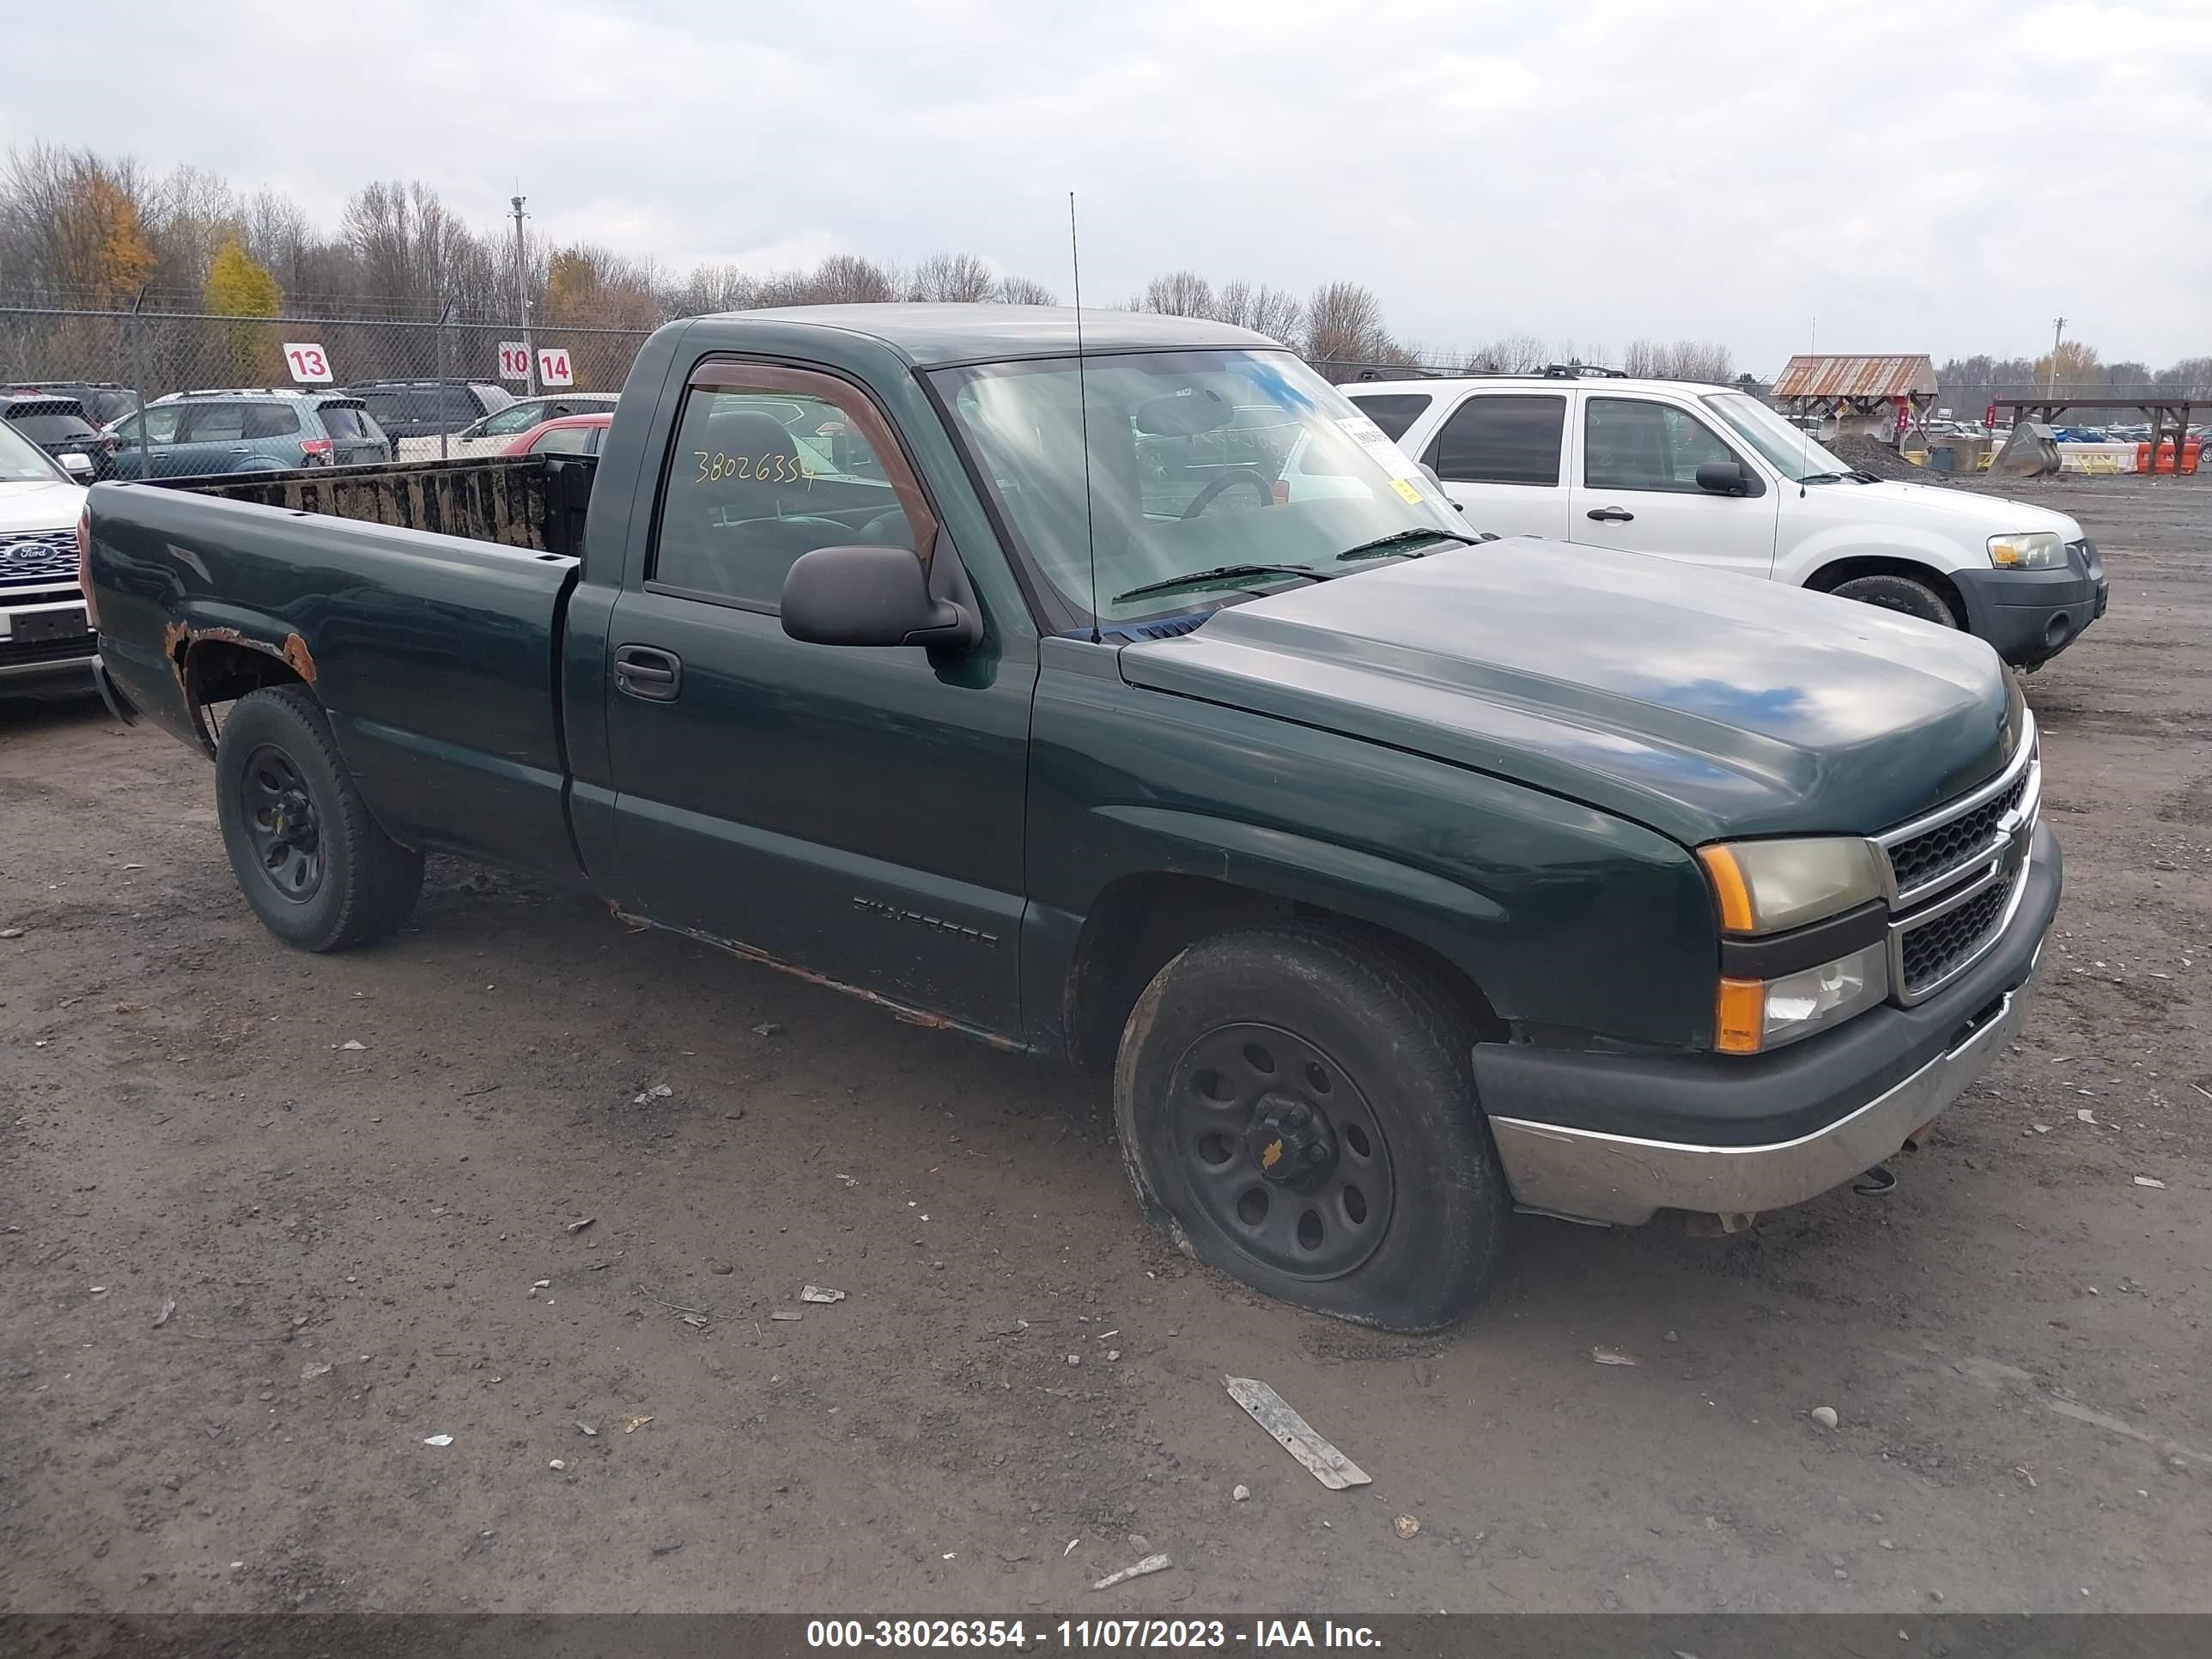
(1713, 477)
(43, 630)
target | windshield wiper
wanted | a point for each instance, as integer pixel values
(1396, 536)
(1222, 573)
(1821, 478)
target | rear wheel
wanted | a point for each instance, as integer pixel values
(1894, 593)
(313, 863)
(1297, 1105)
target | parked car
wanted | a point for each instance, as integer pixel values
(188, 434)
(57, 426)
(1400, 879)
(1711, 475)
(43, 627)
(104, 402)
(569, 435)
(423, 409)
(492, 435)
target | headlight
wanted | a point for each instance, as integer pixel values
(1802, 942)
(1764, 886)
(2032, 549)
(1751, 1016)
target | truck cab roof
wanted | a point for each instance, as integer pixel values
(934, 336)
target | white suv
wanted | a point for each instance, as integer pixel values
(1713, 477)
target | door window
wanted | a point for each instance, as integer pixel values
(1394, 411)
(161, 426)
(454, 403)
(769, 464)
(208, 423)
(1500, 438)
(271, 420)
(565, 441)
(1632, 444)
(387, 406)
(515, 420)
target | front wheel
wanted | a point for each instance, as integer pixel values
(1895, 592)
(1297, 1105)
(313, 863)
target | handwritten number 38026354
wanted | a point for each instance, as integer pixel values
(766, 468)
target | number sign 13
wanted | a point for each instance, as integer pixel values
(310, 364)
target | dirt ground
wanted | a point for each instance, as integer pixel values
(356, 1178)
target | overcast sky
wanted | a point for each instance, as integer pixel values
(1943, 177)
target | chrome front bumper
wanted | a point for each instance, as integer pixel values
(1590, 1176)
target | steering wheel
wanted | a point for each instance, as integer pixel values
(1205, 498)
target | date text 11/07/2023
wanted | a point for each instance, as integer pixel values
(1088, 1633)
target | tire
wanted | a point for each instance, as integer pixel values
(311, 861)
(1239, 1029)
(1894, 593)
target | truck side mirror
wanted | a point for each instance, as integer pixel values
(1724, 478)
(78, 466)
(875, 595)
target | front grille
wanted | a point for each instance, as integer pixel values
(38, 555)
(16, 653)
(1930, 952)
(1950, 847)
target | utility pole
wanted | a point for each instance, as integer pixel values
(522, 304)
(2057, 333)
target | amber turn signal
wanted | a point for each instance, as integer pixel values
(1740, 1016)
(1729, 888)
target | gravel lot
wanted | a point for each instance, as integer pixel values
(357, 1179)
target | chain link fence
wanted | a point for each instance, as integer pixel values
(150, 355)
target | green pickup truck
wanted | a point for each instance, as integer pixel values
(1117, 693)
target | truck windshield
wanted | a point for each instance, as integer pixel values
(22, 461)
(1790, 450)
(1199, 462)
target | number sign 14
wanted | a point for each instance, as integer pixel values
(310, 364)
(553, 366)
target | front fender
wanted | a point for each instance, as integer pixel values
(1565, 916)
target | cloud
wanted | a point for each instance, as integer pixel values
(1918, 179)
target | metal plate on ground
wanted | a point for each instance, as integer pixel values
(1271, 1412)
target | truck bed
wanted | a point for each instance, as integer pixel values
(531, 501)
(423, 604)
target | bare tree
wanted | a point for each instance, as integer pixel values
(1274, 312)
(1344, 329)
(1021, 291)
(1177, 293)
(73, 225)
(957, 278)
(713, 288)
(848, 279)
(1510, 354)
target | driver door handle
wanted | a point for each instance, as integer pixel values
(1610, 514)
(648, 672)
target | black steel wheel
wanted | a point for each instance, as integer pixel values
(279, 819)
(1281, 1150)
(1296, 1105)
(310, 857)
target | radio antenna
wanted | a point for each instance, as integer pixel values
(1082, 403)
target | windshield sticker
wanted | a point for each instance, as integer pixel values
(1405, 488)
(1386, 454)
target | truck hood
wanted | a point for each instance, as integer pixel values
(1969, 513)
(39, 506)
(1701, 704)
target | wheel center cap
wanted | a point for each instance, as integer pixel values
(1291, 1142)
